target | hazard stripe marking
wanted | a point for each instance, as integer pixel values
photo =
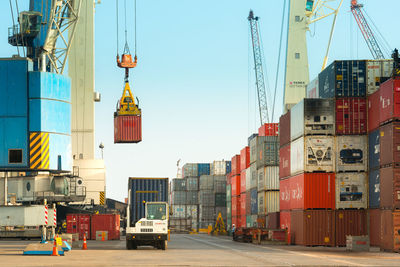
(39, 150)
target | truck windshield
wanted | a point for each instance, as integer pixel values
(156, 212)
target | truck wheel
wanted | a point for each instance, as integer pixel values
(128, 245)
(164, 245)
(134, 245)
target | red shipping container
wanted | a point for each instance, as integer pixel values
(373, 111)
(235, 206)
(127, 129)
(284, 161)
(229, 179)
(390, 144)
(244, 158)
(313, 227)
(242, 222)
(350, 222)
(236, 185)
(269, 129)
(235, 165)
(351, 116)
(235, 221)
(243, 181)
(389, 188)
(375, 227)
(390, 230)
(284, 129)
(308, 191)
(285, 223)
(243, 204)
(106, 222)
(389, 100)
(79, 223)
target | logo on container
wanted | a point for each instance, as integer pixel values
(285, 194)
(297, 193)
(385, 102)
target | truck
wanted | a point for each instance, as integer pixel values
(147, 213)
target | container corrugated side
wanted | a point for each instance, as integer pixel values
(248, 179)
(378, 71)
(284, 161)
(251, 221)
(236, 165)
(244, 158)
(271, 201)
(269, 129)
(375, 227)
(351, 154)
(192, 198)
(285, 220)
(243, 181)
(351, 115)
(218, 167)
(312, 90)
(203, 169)
(206, 182)
(236, 187)
(235, 205)
(390, 230)
(190, 170)
(272, 220)
(127, 129)
(178, 211)
(373, 116)
(145, 189)
(390, 188)
(284, 131)
(79, 223)
(192, 183)
(389, 98)
(253, 201)
(178, 184)
(312, 154)
(268, 178)
(350, 222)
(374, 149)
(374, 189)
(178, 197)
(390, 144)
(253, 176)
(268, 152)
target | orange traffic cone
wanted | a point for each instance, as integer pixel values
(55, 251)
(84, 247)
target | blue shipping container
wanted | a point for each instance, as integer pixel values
(203, 169)
(148, 190)
(251, 137)
(253, 200)
(374, 189)
(374, 149)
(343, 78)
(228, 167)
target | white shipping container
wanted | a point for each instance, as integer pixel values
(268, 201)
(377, 71)
(351, 190)
(313, 89)
(351, 153)
(253, 173)
(248, 179)
(253, 149)
(218, 167)
(311, 154)
(312, 117)
(268, 178)
(178, 211)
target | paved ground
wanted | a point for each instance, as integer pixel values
(200, 250)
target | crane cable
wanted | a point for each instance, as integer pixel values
(116, 3)
(126, 47)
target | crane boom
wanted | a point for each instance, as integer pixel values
(258, 67)
(366, 31)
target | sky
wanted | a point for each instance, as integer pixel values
(194, 77)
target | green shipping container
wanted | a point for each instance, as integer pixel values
(228, 193)
(251, 221)
(220, 199)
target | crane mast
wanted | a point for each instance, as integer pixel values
(366, 31)
(258, 67)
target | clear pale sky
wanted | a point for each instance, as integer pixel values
(192, 79)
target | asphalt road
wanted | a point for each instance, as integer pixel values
(200, 250)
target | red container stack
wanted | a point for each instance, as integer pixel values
(106, 223)
(351, 116)
(127, 129)
(269, 129)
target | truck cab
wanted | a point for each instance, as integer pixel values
(151, 230)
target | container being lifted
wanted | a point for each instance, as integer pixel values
(128, 116)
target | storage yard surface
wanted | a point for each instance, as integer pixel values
(200, 250)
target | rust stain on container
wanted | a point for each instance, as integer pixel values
(313, 227)
(284, 132)
(390, 144)
(390, 188)
(350, 222)
(390, 230)
(127, 129)
(375, 227)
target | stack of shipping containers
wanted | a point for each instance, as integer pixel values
(244, 165)
(235, 191)
(179, 221)
(384, 176)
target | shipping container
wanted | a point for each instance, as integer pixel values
(203, 169)
(248, 179)
(190, 170)
(284, 161)
(312, 90)
(236, 165)
(178, 211)
(236, 221)
(269, 129)
(192, 198)
(313, 227)
(207, 214)
(192, 183)
(206, 182)
(374, 189)
(228, 167)
(243, 181)
(285, 222)
(253, 176)
(192, 213)
(312, 117)
(373, 107)
(148, 190)
(312, 154)
(251, 137)
(268, 152)
(220, 199)
(178, 184)
(268, 178)
(229, 179)
(390, 230)
(228, 193)
(345, 78)
(390, 144)
(218, 167)
(350, 222)
(351, 190)
(242, 221)
(206, 198)
(268, 202)
(390, 188)
(106, 222)
(308, 191)
(374, 149)
(243, 210)
(127, 128)
(378, 71)
(351, 115)
(235, 205)
(219, 184)
(244, 158)
(251, 221)
(272, 220)
(375, 227)
(389, 100)
(228, 222)
(236, 188)
(178, 197)
(351, 154)
(284, 132)
(253, 201)
(79, 223)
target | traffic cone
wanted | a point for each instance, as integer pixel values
(84, 247)
(55, 251)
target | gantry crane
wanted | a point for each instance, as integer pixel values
(366, 31)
